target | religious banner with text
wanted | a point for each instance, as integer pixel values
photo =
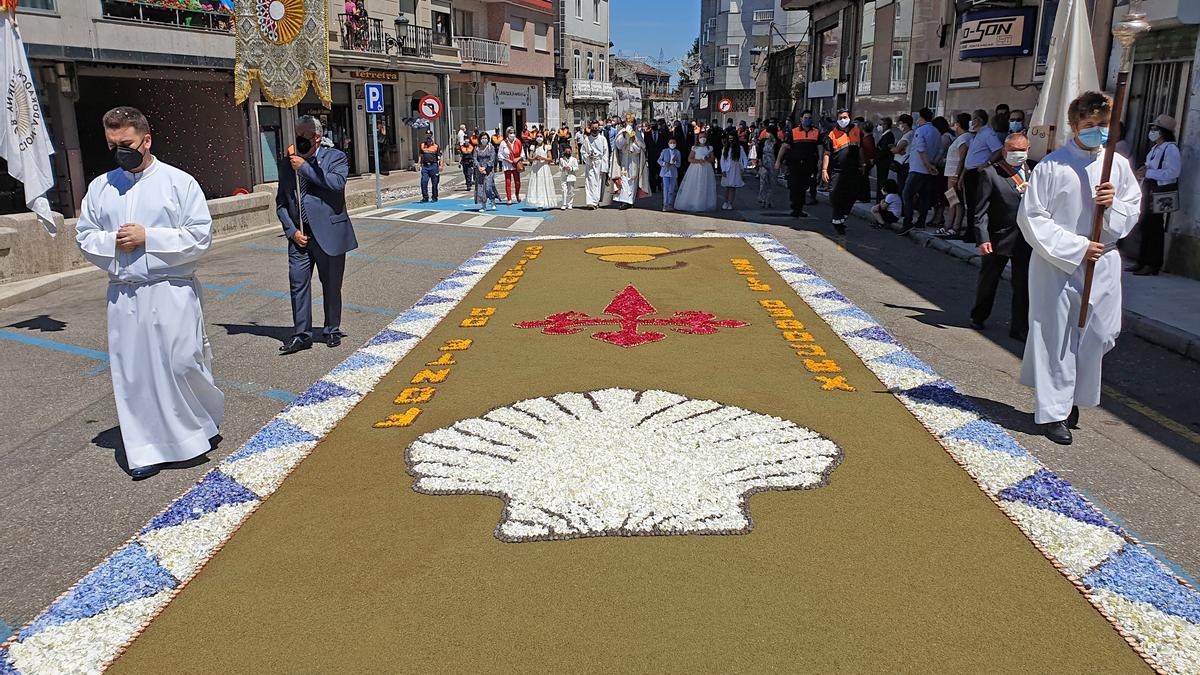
(283, 45)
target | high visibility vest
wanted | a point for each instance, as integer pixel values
(799, 135)
(466, 148)
(841, 139)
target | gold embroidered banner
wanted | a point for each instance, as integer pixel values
(284, 44)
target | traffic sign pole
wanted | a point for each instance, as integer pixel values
(375, 142)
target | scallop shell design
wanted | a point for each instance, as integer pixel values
(617, 462)
(20, 108)
(280, 20)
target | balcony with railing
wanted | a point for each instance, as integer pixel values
(591, 90)
(207, 15)
(362, 34)
(479, 50)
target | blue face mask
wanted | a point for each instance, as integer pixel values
(1015, 126)
(1094, 137)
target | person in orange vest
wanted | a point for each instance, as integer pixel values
(843, 156)
(466, 158)
(801, 153)
(430, 159)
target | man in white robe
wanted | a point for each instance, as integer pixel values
(629, 164)
(1062, 361)
(594, 153)
(147, 223)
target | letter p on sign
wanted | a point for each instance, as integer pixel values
(374, 93)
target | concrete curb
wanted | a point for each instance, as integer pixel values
(1147, 328)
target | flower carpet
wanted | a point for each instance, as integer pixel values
(633, 452)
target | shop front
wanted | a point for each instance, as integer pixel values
(512, 103)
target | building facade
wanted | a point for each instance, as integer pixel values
(177, 66)
(583, 60)
(507, 57)
(736, 39)
(655, 99)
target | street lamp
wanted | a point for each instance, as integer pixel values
(401, 34)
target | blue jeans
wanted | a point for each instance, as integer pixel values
(430, 172)
(669, 184)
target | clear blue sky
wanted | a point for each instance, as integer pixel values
(643, 27)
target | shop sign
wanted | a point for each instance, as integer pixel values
(507, 95)
(997, 34)
(375, 75)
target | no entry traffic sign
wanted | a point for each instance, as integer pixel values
(430, 107)
(725, 105)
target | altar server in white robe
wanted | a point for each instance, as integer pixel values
(1062, 361)
(594, 153)
(147, 223)
(629, 164)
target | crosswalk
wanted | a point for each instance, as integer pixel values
(456, 216)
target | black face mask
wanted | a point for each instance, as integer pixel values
(127, 158)
(303, 145)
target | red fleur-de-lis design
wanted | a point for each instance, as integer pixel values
(631, 310)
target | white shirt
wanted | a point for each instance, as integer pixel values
(894, 204)
(569, 166)
(1163, 163)
(953, 163)
(906, 140)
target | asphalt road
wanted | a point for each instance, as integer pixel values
(66, 502)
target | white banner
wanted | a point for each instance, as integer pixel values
(25, 141)
(1070, 71)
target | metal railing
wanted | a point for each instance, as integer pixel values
(362, 34)
(763, 15)
(209, 17)
(478, 50)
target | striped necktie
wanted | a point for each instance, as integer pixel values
(300, 197)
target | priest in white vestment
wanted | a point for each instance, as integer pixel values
(147, 223)
(629, 165)
(1062, 361)
(594, 153)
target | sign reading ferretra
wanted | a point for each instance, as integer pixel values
(997, 34)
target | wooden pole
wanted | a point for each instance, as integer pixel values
(1126, 31)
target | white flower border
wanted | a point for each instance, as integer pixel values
(91, 624)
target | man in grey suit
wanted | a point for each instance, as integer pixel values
(315, 221)
(1001, 187)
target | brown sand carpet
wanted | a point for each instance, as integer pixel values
(899, 563)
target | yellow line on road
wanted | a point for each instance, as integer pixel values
(1151, 414)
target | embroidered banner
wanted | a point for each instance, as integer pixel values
(283, 45)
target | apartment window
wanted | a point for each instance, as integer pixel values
(45, 5)
(441, 28)
(516, 32)
(764, 15)
(596, 12)
(540, 31)
(578, 66)
(933, 85)
(464, 23)
(722, 55)
(591, 64)
(707, 35)
(864, 71)
(733, 59)
(578, 9)
(899, 80)
(603, 69)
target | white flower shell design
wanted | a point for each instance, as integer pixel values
(620, 462)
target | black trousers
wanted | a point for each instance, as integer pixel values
(843, 191)
(970, 183)
(800, 180)
(330, 269)
(655, 178)
(1150, 251)
(989, 281)
(882, 166)
(918, 188)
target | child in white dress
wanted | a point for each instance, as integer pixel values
(731, 168)
(569, 166)
(541, 178)
(698, 190)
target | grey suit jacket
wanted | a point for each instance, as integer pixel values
(996, 208)
(325, 216)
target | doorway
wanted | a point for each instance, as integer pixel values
(513, 117)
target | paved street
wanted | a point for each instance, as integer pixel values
(67, 503)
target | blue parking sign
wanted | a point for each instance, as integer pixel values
(374, 93)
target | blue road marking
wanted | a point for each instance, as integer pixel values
(469, 206)
(226, 291)
(5, 630)
(102, 358)
(366, 256)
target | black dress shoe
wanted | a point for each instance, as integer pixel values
(334, 339)
(143, 472)
(296, 344)
(1057, 432)
(1073, 418)
(1146, 272)
(977, 325)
